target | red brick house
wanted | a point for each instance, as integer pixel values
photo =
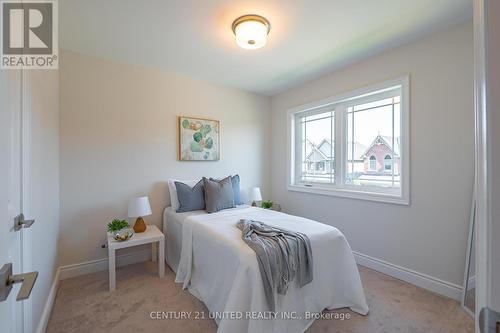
(380, 158)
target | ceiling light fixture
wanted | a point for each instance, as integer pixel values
(251, 31)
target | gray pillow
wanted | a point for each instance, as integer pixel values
(218, 194)
(190, 198)
(235, 180)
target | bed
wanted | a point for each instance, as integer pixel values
(211, 260)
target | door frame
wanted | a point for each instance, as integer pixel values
(26, 249)
(482, 159)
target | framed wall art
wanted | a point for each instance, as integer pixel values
(199, 139)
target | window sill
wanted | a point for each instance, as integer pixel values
(351, 193)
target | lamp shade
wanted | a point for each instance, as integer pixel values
(255, 194)
(251, 31)
(138, 207)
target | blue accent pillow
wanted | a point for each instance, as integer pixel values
(235, 181)
(190, 198)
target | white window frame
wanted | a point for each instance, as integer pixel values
(339, 188)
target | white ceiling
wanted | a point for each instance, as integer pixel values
(193, 37)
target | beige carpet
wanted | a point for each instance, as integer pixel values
(83, 304)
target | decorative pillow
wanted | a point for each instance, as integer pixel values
(174, 201)
(218, 194)
(190, 198)
(235, 182)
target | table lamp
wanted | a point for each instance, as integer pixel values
(255, 195)
(139, 207)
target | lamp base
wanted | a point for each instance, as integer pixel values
(139, 225)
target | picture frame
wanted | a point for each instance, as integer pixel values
(199, 139)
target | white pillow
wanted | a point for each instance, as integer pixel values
(174, 200)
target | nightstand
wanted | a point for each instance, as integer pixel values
(152, 236)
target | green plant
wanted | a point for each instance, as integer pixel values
(116, 225)
(267, 204)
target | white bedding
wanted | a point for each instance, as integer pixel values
(222, 271)
(172, 228)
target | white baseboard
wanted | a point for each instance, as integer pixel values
(47, 309)
(93, 266)
(421, 280)
(471, 284)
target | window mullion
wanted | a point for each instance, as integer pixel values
(339, 145)
(298, 150)
(352, 138)
(303, 148)
(332, 145)
(393, 146)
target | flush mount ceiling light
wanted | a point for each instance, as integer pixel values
(251, 31)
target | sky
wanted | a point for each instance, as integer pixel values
(367, 125)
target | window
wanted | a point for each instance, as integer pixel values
(317, 133)
(354, 145)
(373, 163)
(387, 163)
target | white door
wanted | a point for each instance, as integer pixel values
(11, 311)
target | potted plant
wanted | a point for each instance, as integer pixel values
(120, 229)
(267, 204)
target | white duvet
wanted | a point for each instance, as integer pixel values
(222, 271)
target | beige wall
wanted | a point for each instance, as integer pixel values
(430, 235)
(119, 140)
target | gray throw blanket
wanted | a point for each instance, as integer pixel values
(283, 255)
